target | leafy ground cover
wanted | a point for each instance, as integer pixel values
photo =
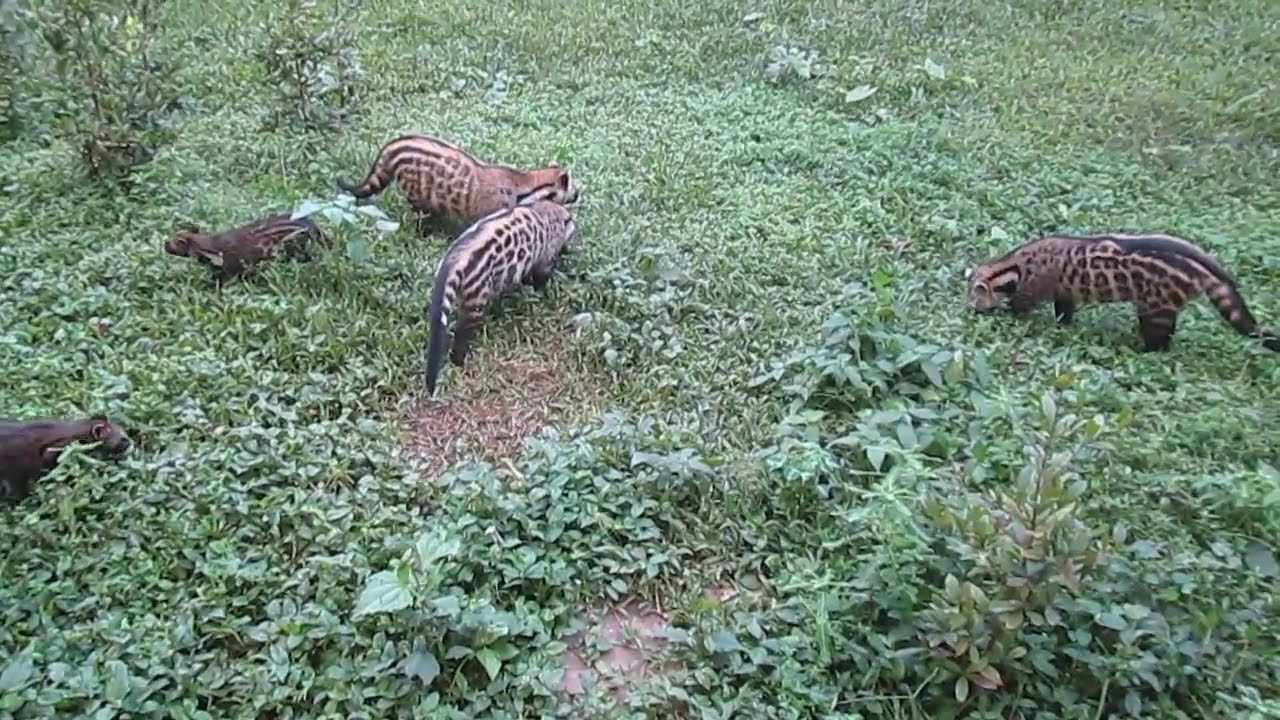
(756, 411)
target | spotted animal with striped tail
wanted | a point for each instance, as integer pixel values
(234, 252)
(441, 180)
(502, 250)
(30, 449)
(1159, 274)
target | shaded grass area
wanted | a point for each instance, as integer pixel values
(730, 222)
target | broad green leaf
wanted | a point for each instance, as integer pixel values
(335, 215)
(1119, 533)
(435, 545)
(931, 371)
(490, 660)
(723, 640)
(881, 417)
(954, 372)
(386, 226)
(988, 678)
(383, 592)
(951, 589)
(357, 249)
(17, 672)
(423, 665)
(935, 71)
(117, 686)
(1048, 407)
(1268, 471)
(458, 651)
(1112, 620)
(372, 211)
(875, 456)
(962, 688)
(907, 436)
(1260, 559)
(448, 605)
(308, 207)
(860, 93)
(1136, 612)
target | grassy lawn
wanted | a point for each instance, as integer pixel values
(752, 410)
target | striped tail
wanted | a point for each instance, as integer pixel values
(443, 295)
(1232, 308)
(379, 175)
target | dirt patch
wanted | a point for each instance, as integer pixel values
(635, 649)
(632, 644)
(485, 410)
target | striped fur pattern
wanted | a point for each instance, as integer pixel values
(30, 449)
(440, 179)
(519, 245)
(1159, 274)
(233, 252)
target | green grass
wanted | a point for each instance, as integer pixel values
(739, 237)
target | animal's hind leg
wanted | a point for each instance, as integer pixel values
(500, 304)
(426, 224)
(465, 332)
(1157, 325)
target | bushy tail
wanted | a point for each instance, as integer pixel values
(374, 181)
(442, 297)
(1232, 308)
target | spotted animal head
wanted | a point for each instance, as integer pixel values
(112, 439)
(190, 242)
(555, 184)
(184, 240)
(983, 294)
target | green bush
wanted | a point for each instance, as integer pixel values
(116, 87)
(312, 64)
(850, 496)
(927, 592)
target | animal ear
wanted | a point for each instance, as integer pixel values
(563, 180)
(553, 164)
(98, 429)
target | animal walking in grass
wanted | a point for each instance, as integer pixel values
(519, 245)
(234, 252)
(30, 449)
(440, 180)
(1159, 274)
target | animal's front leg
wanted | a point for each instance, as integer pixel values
(1064, 309)
(428, 223)
(539, 277)
(1024, 298)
